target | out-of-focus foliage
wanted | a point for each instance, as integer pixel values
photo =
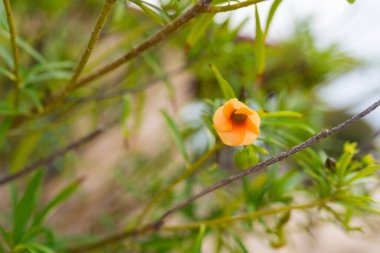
(278, 79)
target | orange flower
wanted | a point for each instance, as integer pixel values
(236, 124)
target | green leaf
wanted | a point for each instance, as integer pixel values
(177, 136)
(281, 114)
(7, 73)
(52, 75)
(289, 123)
(46, 67)
(272, 11)
(25, 46)
(33, 95)
(369, 170)
(24, 150)
(349, 150)
(25, 208)
(259, 149)
(62, 196)
(7, 109)
(225, 87)
(157, 69)
(6, 235)
(4, 127)
(197, 248)
(259, 45)
(3, 16)
(34, 248)
(351, 1)
(240, 243)
(126, 112)
(155, 13)
(198, 28)
(7, 56)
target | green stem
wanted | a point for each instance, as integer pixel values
(245, 216)
(12, 31)
(231, 7)
(107, 8)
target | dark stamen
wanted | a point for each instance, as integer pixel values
(238, 118)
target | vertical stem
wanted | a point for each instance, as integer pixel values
(12, 32)
(107, 8)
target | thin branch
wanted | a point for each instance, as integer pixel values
(52, 157)
(158, 224)
(107, 8)
(202, 6)
(148, 43)
(244, 216)
(13, 36)
(231, 7)
(138, 88)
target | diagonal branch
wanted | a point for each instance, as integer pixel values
(107, 8)
(202, 6)
(159, 223)
(52, 157)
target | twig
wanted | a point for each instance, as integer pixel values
(12, 31)
(107, 8)
(52, 157)
(158, 224)
(199, 8)
(231, 7)
(120, 92)
(244, 216)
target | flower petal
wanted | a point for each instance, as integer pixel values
(234, 137)
(244, 110)
(249, 138)
(255, 118)
(221, 123)
(231, 106)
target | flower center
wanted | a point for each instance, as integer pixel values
(238, 118)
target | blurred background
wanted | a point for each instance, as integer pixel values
(322, 61)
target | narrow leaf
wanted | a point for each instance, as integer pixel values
(197, 248)
(272, 11)
(259, 45)
(177, 136)
(281, 114)
(57, 200)
(225, 87)
(198, 29)
(25, 208)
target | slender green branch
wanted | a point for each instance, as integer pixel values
(159, 223)
(107, 8)
(51, 158)
(165, 32)
(231, 7)
(16, 61)
(245, 216)
(189, 171)
(158, 37)
(215, 222)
